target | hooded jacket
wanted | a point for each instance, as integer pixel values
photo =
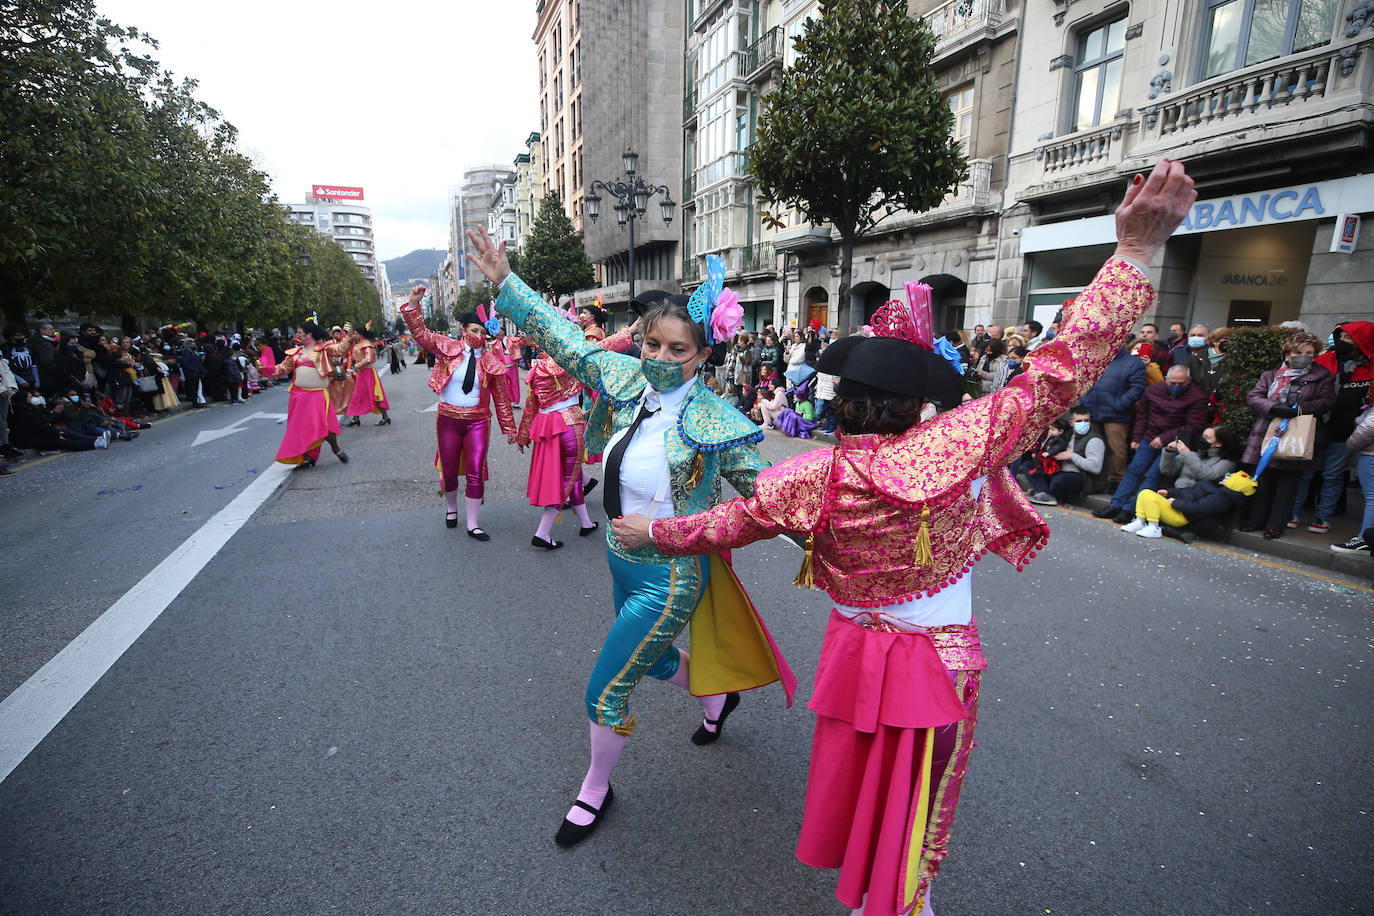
(1352, 378)
(1208, 499)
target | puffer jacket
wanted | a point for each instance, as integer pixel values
(1192, 467)
(1362, 439)
(1113, 398)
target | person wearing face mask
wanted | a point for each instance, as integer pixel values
(1351, 360)
(1213, 459)
(1297, 385)
(897, 514)
(1174, 409)
(32, 426)
(469, 379)
(668, 443)
(1081, 462)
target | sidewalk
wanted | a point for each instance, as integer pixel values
(1297, 544)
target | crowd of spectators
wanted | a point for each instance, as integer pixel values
(82, 389)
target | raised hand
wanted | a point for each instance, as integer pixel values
(489, 258)
(1152, 209)
(416, 295)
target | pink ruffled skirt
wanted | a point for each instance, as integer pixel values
(309, 419)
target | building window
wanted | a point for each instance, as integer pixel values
(1240, 33)
(1097, 78)
(961, 106)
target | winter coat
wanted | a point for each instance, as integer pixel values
(1166, 417)
(1192, 467)
(1206, 499)
(1316, 394)
(1362, 439)
(1113, 398)
(1353, 378)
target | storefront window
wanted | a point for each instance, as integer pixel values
(1241, 33)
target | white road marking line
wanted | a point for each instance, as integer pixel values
(40, 703)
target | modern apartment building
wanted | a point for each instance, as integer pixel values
(469, 208)
(350, 225)
(737, 53)
(1268, 102)
(631, 61)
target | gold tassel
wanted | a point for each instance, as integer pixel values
(698, 468)
(626, 728)
(607, 426)
(806, 578)
(922, 556)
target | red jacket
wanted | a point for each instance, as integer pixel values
(1352, 390)
(1167, 417)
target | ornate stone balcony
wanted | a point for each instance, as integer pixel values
(959, 21)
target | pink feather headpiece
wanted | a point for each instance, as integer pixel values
(911, 320)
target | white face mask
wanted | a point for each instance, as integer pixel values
(928, 411)
(39, 401)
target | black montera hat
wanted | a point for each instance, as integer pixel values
(886, 367)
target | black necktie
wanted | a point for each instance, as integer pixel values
(611, 499)
(471, 375)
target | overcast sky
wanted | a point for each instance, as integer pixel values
(360, 94)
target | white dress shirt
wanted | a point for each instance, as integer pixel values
(645, 484)
(453, 391)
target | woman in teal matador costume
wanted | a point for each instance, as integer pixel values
(668, 441)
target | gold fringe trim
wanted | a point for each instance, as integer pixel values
(805, 576)
(606, 425)
(922, 556)
(698, 468)
(625, 729)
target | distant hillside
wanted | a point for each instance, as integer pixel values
(416, 267)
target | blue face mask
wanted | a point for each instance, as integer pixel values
(1081, 428)
(1177, 390)
(662, 375)
(1197, 343)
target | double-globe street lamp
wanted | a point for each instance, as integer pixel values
(633, 194)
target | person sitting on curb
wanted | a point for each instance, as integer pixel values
(1212, 460)
(1204, 501)
(1080, 463)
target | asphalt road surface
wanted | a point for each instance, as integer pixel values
(347, 708)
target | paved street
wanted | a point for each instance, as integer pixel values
(353, 709)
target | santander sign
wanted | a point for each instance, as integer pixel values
(336, 192)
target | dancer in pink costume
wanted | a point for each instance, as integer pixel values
(469, 379)
(896, 688)
(310, 417)
(368, 394)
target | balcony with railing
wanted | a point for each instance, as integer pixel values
(689, 106)
(734, 164)
(1298, 90)
(689, 189)
(691, 270)
(764, 54)
(959, 22)
(1084, 151)
(972, 197)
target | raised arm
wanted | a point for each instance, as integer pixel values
(561, 339)
(439, 344)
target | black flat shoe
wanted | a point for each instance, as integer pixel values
(450, 519)
(306, 462)
(537, 541)
(477, 534)
(583, 532)
(1124, 517)
(342, 456)
(353, 422)
(570, 834)
(1106, 511)
(386, 422)
(704, 735)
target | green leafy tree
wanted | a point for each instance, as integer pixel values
(473, 295)
(551, 258)
(858, 128)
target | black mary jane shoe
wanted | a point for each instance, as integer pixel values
(570, 834)
(306, 462)
(477, 534)
(384, 422)
(537, 541)
(450, 519)
(704, 735)
(583, 532)
(354, 421)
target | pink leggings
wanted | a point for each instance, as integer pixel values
(567, 444)
(466, 439)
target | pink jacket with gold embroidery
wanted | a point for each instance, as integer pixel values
(449, 352)
(549, 383)
(865, 499)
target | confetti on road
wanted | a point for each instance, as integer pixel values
(226, 486)
(137, 486)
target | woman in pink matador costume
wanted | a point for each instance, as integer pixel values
(895, 517)
(554, 423)
(341, 382)
(368, 394)
(310, 417)
(468, 378)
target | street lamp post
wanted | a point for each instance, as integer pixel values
(632, 195)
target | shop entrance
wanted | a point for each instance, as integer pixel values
(1248, 313)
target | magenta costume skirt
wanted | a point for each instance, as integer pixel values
(893, 731)
(555, 473)
(309, 419)
(368, 394)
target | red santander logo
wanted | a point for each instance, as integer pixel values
(336, 192)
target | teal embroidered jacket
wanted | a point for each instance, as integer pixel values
(725, 441)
